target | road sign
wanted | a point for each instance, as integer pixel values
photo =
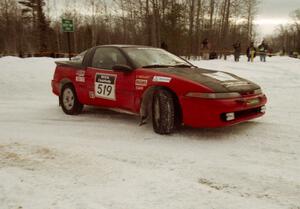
(67, 25)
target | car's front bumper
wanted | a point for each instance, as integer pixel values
(210, 113)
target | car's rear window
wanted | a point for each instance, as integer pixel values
(79, 58)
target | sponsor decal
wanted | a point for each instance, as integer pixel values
(139, 88)
(141, 82)
(162, 79)
(80, 73)
(143, 76)
(80, 79)
(220, 76)
(92, 95)
(238, 83)
(80, 76)
(105, 86)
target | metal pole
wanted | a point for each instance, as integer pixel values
(69, 45)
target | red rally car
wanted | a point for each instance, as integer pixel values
(156, 84)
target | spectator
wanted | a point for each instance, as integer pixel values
(205, 49)
(263, 49)
(205, 44)
(237, 51)
(251, 52)
(164, 46)
(213, 55)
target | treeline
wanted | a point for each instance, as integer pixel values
(30, 26)
(287, 38)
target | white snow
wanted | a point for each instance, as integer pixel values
(104, 160)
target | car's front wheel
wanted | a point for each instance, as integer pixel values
(163, 112)
(69, 101)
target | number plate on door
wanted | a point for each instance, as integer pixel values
(105, 86)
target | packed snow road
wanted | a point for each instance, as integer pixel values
(104, 160)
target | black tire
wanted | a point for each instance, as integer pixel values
(163, 112)
(69, 101)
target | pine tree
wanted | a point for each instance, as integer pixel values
(34, 8)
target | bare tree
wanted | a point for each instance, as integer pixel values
(180, 24)
(35, 7)
(251, 11)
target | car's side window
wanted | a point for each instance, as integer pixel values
(106, 58)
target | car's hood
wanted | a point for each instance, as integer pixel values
(216, 80)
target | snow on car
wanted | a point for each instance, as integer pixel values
(154, 83)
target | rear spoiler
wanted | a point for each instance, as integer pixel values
(69, 64)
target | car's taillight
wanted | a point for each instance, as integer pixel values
(214, 95)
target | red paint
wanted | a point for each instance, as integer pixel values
(196, 112)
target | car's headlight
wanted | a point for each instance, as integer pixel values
(214, 95)
(258, 91)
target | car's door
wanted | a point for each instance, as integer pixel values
(107, 87)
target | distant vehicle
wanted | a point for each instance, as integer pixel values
(156, 84)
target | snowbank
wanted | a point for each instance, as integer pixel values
(102, 159)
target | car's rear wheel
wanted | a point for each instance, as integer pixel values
(163, 112)
(69, 101)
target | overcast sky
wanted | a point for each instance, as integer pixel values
(273, 13)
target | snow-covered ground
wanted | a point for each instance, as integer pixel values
(104, 160)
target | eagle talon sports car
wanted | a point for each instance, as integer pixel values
(156, 85)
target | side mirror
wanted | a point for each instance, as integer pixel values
(124, 68)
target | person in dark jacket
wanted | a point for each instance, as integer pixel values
(205, 43)
(205, 49)
(164, 46)
(263, 49)
(251, 52)
(237, 51)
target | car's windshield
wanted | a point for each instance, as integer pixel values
(154, 57)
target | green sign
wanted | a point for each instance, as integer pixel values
(67, 25)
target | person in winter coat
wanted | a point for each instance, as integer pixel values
(205, 43)
(263, 49)
(205, 49)
(164, 46)
(251, 52)
(237, 51)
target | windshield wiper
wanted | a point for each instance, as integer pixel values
(155, 66)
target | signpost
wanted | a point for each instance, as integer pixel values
(68, 27)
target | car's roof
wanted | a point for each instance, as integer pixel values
(125, 46)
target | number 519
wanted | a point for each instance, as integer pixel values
(104, 89)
